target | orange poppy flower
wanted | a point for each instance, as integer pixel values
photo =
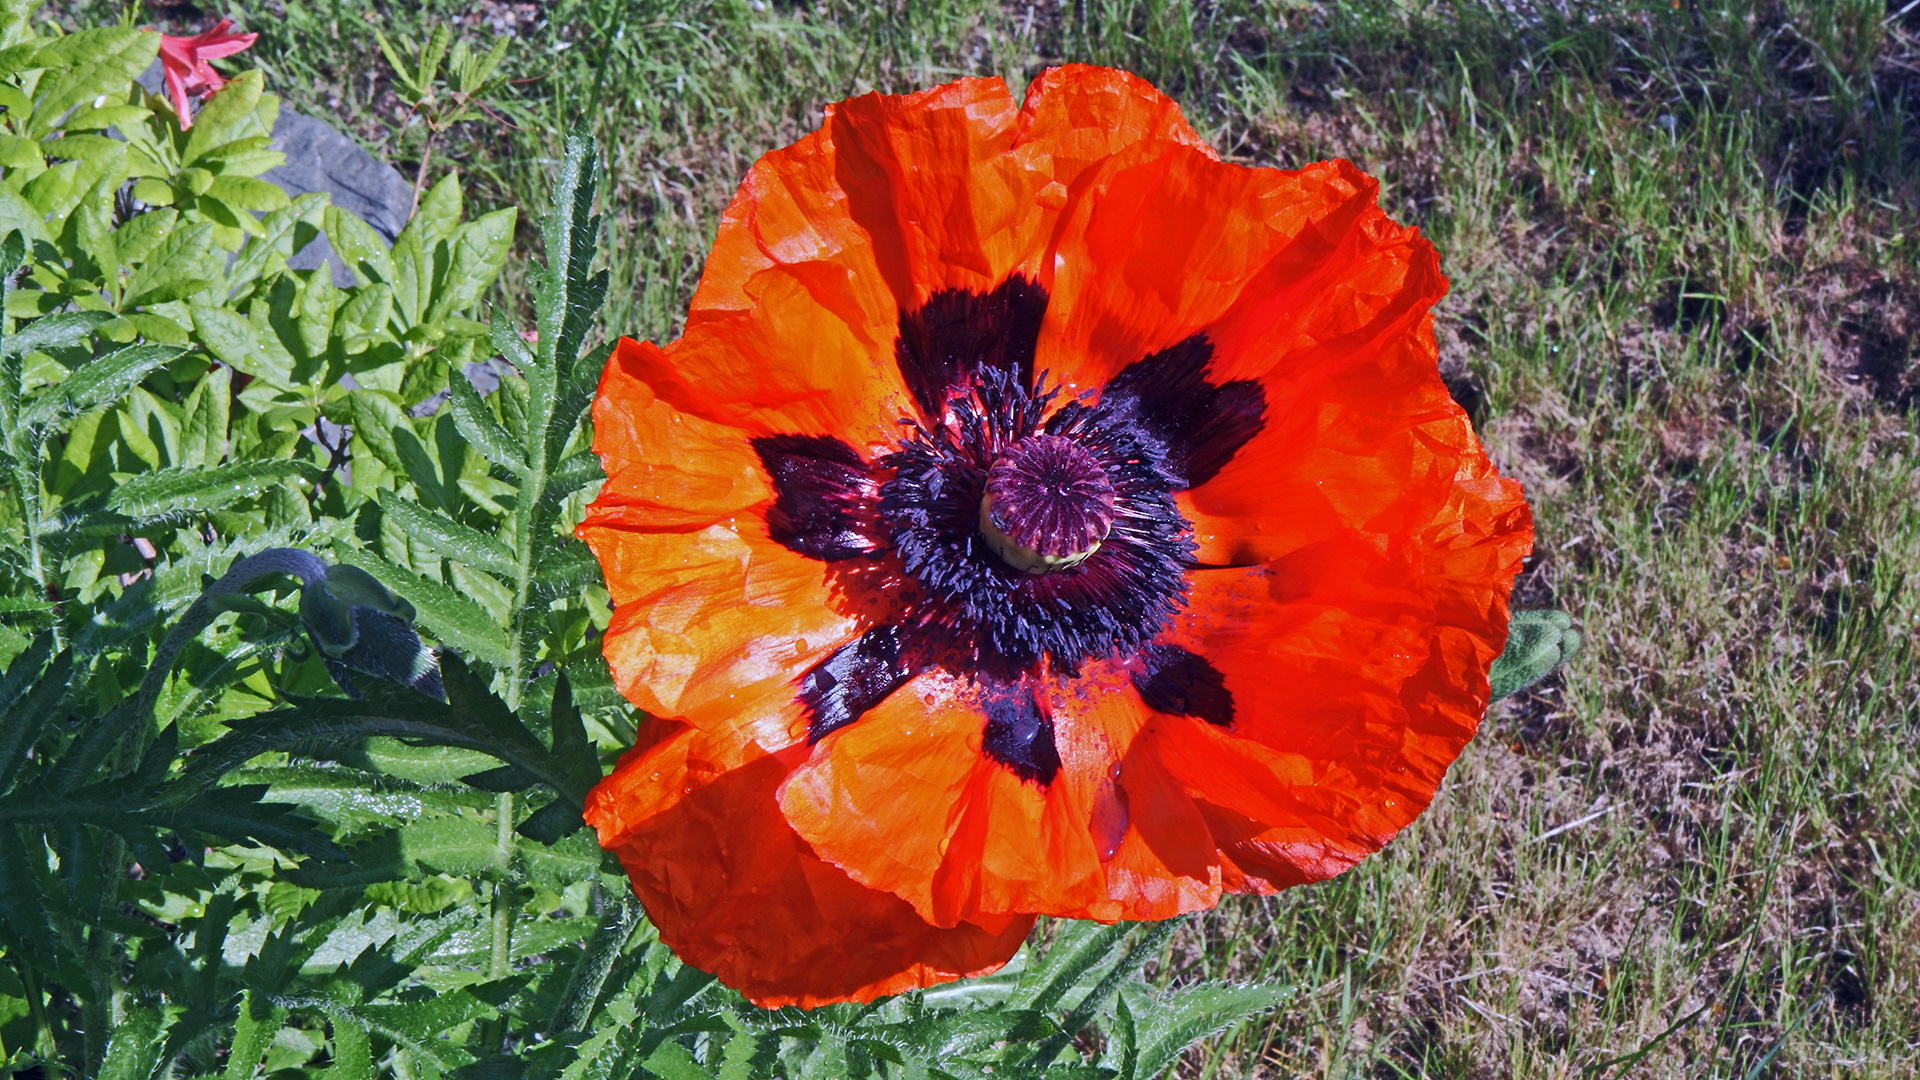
(1037, 515)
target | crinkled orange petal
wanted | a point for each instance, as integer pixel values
(1357, 677)
(666, 469)
(1366, 442)
(733, 891)
(1275, 268)
(894, 198)
(904, 800)
(706, 622)
(1157, 856)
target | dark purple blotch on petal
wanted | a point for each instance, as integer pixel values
(956, 334)
(1018, 736)
(825, 500)
(1201, 424)
(1172, 680)
(840, 689)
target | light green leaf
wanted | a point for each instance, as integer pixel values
(183, 263)
(478, 254)
(450, 538)
(203, 434)
(318, 303)
(230, 337)
(283, 233)
(18, 213)
(199, 489)
(137, 238)
(439, 213)
(452, 618)
(109, 155)
(358, 246)
(89, 64)
(412, 277)
(247, 193)
(227, 109)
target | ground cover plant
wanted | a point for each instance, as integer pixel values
(1685, 255)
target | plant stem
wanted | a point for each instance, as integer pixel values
(420, 174)
(44, 1043)
(501, 963)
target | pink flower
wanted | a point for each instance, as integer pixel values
(188, 74)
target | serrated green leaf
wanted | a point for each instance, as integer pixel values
(53, 332)
(133, 1053)
(552, 823)
(450, 538)
(352, 1051)
(452, 618)
(1167, 1025)
(575, 396)
(191, 489)
(423, 1026)
(32, 700)
(236, 815)
(253, 1033)
(97, 384)
(671, 1061)
(21, 908)
(574, 755)
(1081, 949)
(459, 846)
(567, 567)
(482, 429)
(574, 473)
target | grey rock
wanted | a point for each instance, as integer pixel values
(320, 158)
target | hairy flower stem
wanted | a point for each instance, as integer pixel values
(501, 962)
(44, 1043)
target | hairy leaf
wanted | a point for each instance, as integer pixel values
(190, 489)
(450, 538)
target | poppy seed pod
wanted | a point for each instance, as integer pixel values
(1037, 516)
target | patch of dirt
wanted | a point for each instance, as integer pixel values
(1879, 333)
